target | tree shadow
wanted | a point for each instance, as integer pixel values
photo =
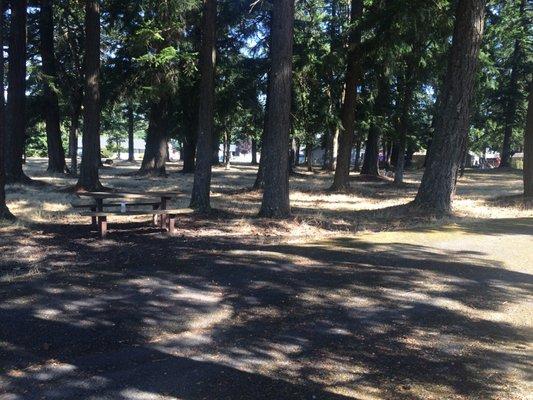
(146, 315)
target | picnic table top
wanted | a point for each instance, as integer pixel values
(128, 195)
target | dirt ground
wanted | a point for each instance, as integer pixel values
(353, 298)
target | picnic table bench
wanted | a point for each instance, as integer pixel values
(99, 210)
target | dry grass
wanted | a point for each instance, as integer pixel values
(369, 205)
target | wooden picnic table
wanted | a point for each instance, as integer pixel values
(99, 197)
(99, 217)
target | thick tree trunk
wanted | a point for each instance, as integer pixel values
(56, 153)
(341, 180)
(189, 155)
(131, 131)
(511, 103)
(16, 95)
(276, 203)
(451, 127)
(200, 199)
(90, 158)
(371, 158)
(528, 145)
(5, 214)
(155, 152)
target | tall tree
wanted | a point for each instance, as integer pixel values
(512, 96)
(56, 153)
(276, 203)
(200, 199)
(371, 159)
(156, 150)
(341, 179)
(451, 127)
(16, 94)
(90, 159)
(528, 145)
(5, 214)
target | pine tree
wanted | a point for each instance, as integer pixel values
(451, 127)
(276, 202)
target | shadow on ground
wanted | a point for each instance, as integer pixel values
(142, 316)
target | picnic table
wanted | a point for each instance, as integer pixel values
(128, 203)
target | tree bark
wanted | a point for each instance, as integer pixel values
(16, 95)
(189, 154)
(56, 153)
(75, 113)
(201, 199)
(5, 214)
(276, 203)
(341, 180)
(227, 150)
(451, 127)
(155, 152)
(357, 156)
(407, 98)
(528, 145)
(254, 152)
(309, 156)
(513, 94)
(90, 158)
(131, 131)
(371, 159)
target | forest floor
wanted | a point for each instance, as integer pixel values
(351, 299)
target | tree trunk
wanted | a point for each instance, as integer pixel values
(371, 158)
(227, 150)
(200, 199)
(309, 156)
(5, 214)
(131, 130)
(189, 154)
(276, 203)
(56, 153)
(406, 100)
(451, 127)
(513, 93)
(216, 150)
(90, 158)
(73, 134)
(254, 152)
(528, 145)
(357, 156)
(341, 180)
(16, 95)
(155, 152)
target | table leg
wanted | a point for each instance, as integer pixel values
(93, 218)
(172, 225)
(102, 226)
(163, 217)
